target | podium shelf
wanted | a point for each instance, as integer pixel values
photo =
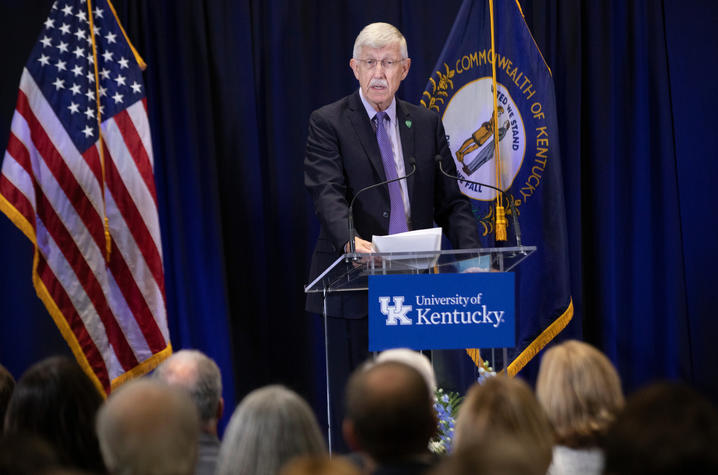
(351, 271)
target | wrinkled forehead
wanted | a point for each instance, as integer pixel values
(380, 41)
(390, 50)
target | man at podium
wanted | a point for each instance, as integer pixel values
(364, 139)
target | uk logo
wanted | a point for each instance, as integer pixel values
(395, 313)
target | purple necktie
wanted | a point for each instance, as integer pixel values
(397, 218)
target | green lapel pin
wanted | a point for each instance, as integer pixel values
(408, 123)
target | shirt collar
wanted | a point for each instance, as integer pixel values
(390, 111)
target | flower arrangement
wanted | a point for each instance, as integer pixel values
(447, 405)
(485, 372)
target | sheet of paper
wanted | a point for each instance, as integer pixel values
(421, 240)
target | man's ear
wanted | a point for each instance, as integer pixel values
(220, 409)
(354, 64)
(350, 435)
(405, 65)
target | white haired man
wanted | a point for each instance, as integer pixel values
(199, 375)
(363, 139)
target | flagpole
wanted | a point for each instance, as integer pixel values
(500, 214)
(108, 239)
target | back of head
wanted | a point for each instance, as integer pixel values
(581, 392)
(7, 384)
(26, 454)
(199, 375)
(147, 427)
(665, 428)
(389, 412)
(319, 465)
(414, 359)
(491, 456)
(56, 400)
(379, 35)
(504, 407)
(269, 427)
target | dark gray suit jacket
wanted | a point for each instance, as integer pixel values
(343, 157)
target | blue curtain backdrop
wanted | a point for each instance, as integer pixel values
(230, 87)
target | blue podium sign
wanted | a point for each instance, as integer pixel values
(442, 311)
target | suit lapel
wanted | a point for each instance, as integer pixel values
(406, 131)
(365, 132)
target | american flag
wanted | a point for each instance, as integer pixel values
(77, 180)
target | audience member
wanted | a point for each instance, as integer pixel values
(27, 454)
(269, 427)
(56, 400)
(416, 360)
(390, 418)
(318, 465)
(504, 407)
(666, 428)
(491, 456)
(147, 427)
(580, 391)
(196, 373)
(7, 384)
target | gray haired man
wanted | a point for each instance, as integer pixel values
(199, 375)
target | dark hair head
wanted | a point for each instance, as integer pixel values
(665, 428)
(55, 400)
(25, 454)
(390, 410)
(7, 384)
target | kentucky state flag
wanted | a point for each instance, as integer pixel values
(529, 172)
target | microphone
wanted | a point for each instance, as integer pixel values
(352, 246)
(517, 229)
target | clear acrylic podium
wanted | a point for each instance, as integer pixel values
(351, 271)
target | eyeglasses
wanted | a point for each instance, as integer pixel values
(387, 64)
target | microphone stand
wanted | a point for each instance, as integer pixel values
(514, 214)
(350, 221)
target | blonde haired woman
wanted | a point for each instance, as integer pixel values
(503, 407)
(580, 391)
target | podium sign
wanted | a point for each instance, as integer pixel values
(442, 311)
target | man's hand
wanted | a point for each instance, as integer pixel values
(361, 246)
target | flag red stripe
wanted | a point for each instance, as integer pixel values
(137, 150)
(65, 179)
(92, 158)
(19, 152)
(69, 313)
(136, 301)
(17, 199)
(88, 280)
(136, 225)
